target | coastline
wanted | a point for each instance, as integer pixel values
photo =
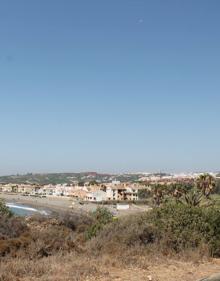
(58, 205)
(51, 205)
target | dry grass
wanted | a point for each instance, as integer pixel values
(58, 267)
(76, 267)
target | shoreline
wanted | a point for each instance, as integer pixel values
(60, 205)
(50, 205)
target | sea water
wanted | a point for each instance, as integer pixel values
(22, 210)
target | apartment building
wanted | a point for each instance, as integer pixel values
(122, 192)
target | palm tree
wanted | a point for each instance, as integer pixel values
(158, 193)
(175, 190)
(193, 198)
(206, 184)
(178, 190)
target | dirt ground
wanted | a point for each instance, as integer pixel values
(166, 271)
(171, 271)
(71, 268)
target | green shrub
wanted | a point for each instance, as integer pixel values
(171, 228)
(182, 227)
(101, 216)
(4, 210)
(144, 193)
(217, 188)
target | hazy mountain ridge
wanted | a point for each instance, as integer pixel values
(59, 178)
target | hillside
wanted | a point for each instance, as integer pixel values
(59, 178)
(96, 247)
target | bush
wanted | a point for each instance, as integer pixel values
(144, 194)
(50, 239)
(4, 210)
(172, 228)
(182, 227)
(122, 234)
(76, 221)
(13, 234)
(217, 188)
(11, 227)
(101, 217)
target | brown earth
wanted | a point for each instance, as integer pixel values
(70, 269)
(168, 271)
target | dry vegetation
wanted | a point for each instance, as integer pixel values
(151, 246)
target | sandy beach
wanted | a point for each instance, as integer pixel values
(64, 204)
(51, 204)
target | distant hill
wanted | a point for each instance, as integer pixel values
(60, 178)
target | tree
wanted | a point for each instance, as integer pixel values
(103, 187)
(101, 217)
(206, 184)
(144, 193)
(191, 194)
(198, 195)
(217, 187)
(178, 190)
(93, 182)
(158, 191)
(193, 198)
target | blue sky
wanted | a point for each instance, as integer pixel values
(120, 85)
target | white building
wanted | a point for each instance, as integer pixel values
(97, 196)
(122, 192)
